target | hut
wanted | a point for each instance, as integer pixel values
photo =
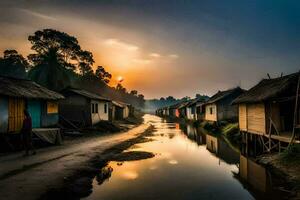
(83, 108)
(266, 111)
(195, 109)
(219, 108)
(182, 109)
(42, 104)
(120, 110)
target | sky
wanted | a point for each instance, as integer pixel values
(169, 47)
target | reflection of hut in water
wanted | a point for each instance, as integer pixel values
(253, 173)
(195, 135)
(221, 149)
(259, 182)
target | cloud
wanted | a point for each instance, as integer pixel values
(36, 14)
(121, 44)
(154, 55)
(142, 61)
(173, 56)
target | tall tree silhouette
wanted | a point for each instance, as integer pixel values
(102, 74)
(13, 64)
(58, 56)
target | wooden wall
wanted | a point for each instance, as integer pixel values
(76, 108)
(211, 116)
(16, 108)
(243, 117)
(252, 118)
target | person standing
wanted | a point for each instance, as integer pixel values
(27, 133)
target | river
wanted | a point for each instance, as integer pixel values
(188, 164)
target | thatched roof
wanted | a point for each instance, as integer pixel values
(195, 101)
(86, 94)
(223, 94)
(179, 105)
(14, 87)
(268, 89)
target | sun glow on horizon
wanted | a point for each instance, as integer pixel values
(120, 79)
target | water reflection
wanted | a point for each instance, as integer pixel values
(189, 164)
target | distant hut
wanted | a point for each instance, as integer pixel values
(42, 104)
(219, 108)
(182, 109)
(83, 108)
(267, 110)
(120, 110)
(194, 109)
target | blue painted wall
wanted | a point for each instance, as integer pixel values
(48, 119)
(34, 108)
(3, 114)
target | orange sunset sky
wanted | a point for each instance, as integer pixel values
(176, 48)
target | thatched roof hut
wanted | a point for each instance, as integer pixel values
(269, 89)
(268, 107)
(219, 107)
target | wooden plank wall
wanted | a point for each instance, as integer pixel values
(213, 116)
(256, 120)
(16, 108)
(252, 118)
(243, 117)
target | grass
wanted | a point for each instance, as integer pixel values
(291, 154)
(232, 133)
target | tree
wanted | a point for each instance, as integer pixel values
(57, 58)
(86, 62)
(140, 96)
(50, 73)
(49, 40)
(102, 74)
(13, 64)
(121, 88)
(170, 98)
(134, 92)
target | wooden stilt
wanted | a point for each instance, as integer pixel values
(295, 113)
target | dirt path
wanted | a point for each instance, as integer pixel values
(29, 177)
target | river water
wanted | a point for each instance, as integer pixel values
(189, 164)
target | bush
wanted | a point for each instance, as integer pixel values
(291, 153)
(230, 129)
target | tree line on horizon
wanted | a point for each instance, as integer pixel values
(154, 104)
(58, 61)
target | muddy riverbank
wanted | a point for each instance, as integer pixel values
(288, 171)
(30, 177)
(79, 184)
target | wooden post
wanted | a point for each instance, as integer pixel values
(295, 112)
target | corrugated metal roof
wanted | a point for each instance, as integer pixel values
(14, 87)
(88, 94)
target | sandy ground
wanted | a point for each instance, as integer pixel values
(30, 177)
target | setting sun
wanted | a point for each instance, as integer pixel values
(120, 79)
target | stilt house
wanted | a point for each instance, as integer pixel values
(267, 109)
(219, 107)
